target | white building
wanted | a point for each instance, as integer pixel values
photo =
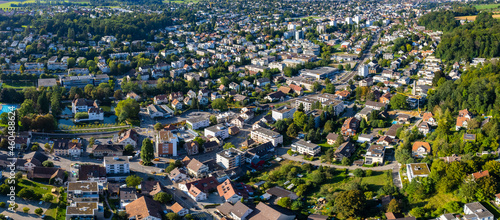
(417, 170)
(477, 211)
(117, 165)
(197, 123)
(263, 135)
(218, 130)
(166, 144)
(283, 112)
(303, 147)
(363, 71)
(229, 159)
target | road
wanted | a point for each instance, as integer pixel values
(283, 153)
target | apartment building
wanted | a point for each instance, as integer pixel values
(166, 144)
(229, 158)
(306, 147)
(263, 135)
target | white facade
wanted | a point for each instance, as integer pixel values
(197, 123)
(282, 113)
(363, 71)
(217, 131)
(303, 147)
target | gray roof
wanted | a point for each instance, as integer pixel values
(116, 160)
(479, 210)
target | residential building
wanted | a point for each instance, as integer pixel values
(144, 208)
(414, 170)
(350, 126)
(375, 154)
(267, 212)
(263, 135)
(229, 158)
(346, 149)
(476, 211)
(179, 209)
(83, 191)
(238, 211)
(199, 189)
(85, 210)
(233, 192)
(218, 130)
(65, 147)
(191, 148)
(198, 122)
(166, 144)
(128, 137)
(118, 165)
(283, 112)
(103, 150)
(420, 149)
(306, 147)
(319, 73)
(331, 138)
(53, 175)
(197, 168)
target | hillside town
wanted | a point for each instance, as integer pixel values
(249, 110)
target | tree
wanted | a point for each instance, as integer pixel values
(163, 197)
(39, 211)
(133, 180)
(213, 120)
(285, 202)
(26, 209)
(228, 145)
(158, 126)
(71, 62)
(394, 206)
(129, 148)
(219, 104)
(349, 203)
(189, 217)
(127, 109)
(358, 172)
(173, 216)
(34, 147)
(398, 101)
(292, 130)
(48, 163)
(317, 177)
(47, 197)
(345, 161)
(28, 107)
(147, 152)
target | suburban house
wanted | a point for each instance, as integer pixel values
(350, 126)
(263, 135)
(233, 192)
(414, 170)
(463, 117)
(52, 175)
(429, 118)
(424, 128)
(128, 137)
(199, 189)
(420, 149)
(191, 148)
(279, 193)
(476, 211)
(144, 208)
(331, 138)
(104, 150)
(238, 211)
(177, 175)
(346, 149)
(197, 168)
(65, 147)
(179, 210)
(375, 154)
(266, 212)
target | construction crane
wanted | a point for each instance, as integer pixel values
(417, 97)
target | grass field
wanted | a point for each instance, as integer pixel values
(6, 4)
(473, 18)
(17, 85)
(487, 6)
(36, 187)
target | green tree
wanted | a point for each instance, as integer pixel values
(127, 109)
(147, 152)
(133, 180)
(26, 108)
(48, 163)
(358, 172)
(163, 197)
(158, 126)
(345, 161)
(39, 211)
(398, 101)
(349, 203)
(213, 120)
(173, 216)
(129, 148)
(394, 206)
(228, 145)
(317, 177)
(292, 130)
(47, 197)
(285, 202)
(219, 104)
(26, 209)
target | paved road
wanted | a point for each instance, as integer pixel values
(282, 152)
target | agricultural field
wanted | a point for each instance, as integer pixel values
(487, 6)
(473, 18)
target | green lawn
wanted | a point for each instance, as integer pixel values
(487, 6)
(51, 213)
(17, 85)
(40, 188)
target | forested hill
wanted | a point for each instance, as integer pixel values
(478, 90)
(475, 39)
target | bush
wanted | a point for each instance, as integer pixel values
(26, 209)
(39, 211)
(2, 204)
(358, 172)
(368, 172)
